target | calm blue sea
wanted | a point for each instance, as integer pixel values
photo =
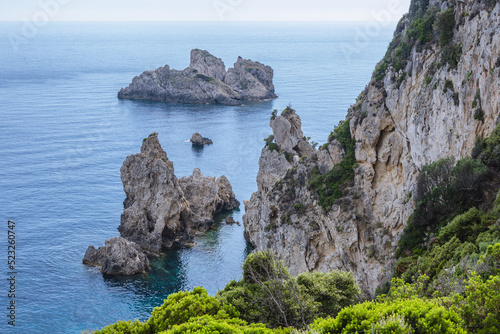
(64, 136)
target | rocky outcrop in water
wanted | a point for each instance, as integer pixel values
(161, 211)
(204, 81)
(199, 140)
(207, 195)
(118, 257)
(431, 104)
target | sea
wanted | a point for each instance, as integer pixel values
(64, 136)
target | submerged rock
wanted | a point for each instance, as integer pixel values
(118, 257)
(204, 81)
(199, 140)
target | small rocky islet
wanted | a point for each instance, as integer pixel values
(160, 210)
(204, 81)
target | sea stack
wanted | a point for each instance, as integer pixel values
(160, 211)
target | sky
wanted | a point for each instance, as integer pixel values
(202, 10)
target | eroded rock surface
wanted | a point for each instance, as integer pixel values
(204, 81)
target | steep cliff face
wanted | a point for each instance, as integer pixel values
(436, 90)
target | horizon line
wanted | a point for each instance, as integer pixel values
(204, 21)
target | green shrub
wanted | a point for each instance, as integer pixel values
(179, 307)
(126, 327)
(488, 150)
(274, 114)
(478, 306)
(263, 266)
(443, 192)
(491, 259)
(380, 70)
(445, 23)
(204, 77)
(333, 291)
(423, 316)
(477, 99)
(467, 77)
(331, 186)
(211, 325)
(448, 85)
(268, 294)
(421, 29)
(299, 206)
(451, 54)
(479, 114)
(273, 147)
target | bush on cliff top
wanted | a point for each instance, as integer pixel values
(425, 25)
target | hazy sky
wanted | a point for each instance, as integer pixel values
(203, 10)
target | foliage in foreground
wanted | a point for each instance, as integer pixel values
(177, 309)
(405, 309)
(399, 316)
(268, 294)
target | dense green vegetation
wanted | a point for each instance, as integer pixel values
(268, 294)
(453, 241)
(331, 186)
(424, 25)
(267, 297)
(443, 192)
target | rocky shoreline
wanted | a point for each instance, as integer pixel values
(204, 81)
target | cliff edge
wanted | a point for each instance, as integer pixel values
(344, 205)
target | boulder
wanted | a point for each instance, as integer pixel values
(118, 257)
(204, 81)
(199, 140)
(230, 220)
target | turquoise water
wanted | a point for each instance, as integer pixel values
(64, 136)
